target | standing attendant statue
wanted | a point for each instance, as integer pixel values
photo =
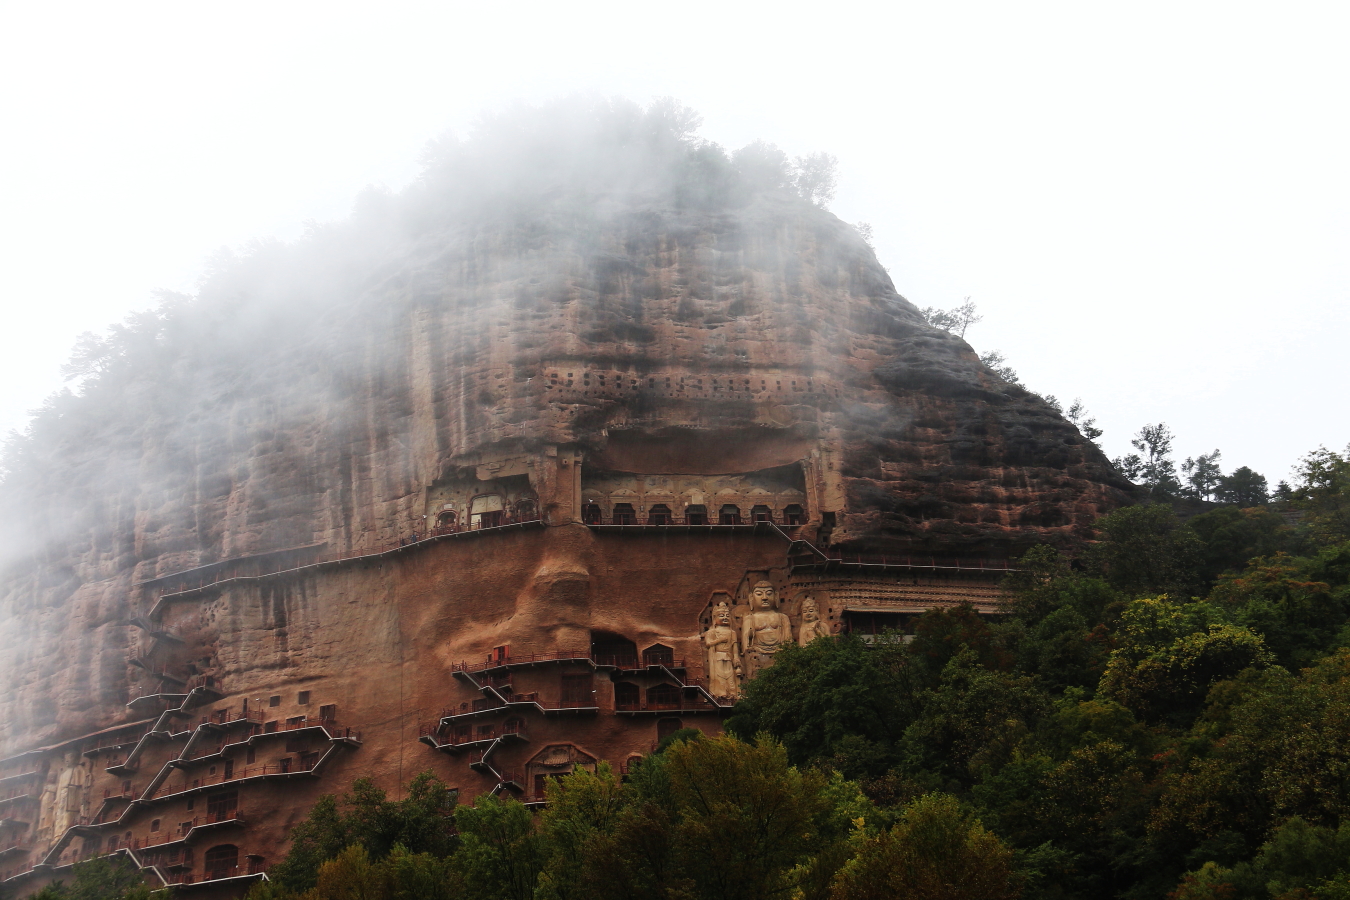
(764, 631)
(811, 627)
(724, 655)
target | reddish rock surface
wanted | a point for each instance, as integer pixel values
(336, 398)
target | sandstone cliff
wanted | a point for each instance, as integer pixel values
(696, 320)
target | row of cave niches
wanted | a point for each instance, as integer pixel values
(792, 516)
(619, 384)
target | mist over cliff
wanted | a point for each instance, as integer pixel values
(308, 393)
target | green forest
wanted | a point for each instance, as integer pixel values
(1163, 715)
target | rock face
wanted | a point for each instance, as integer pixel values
(580, 413)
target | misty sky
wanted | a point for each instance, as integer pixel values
(1149, 203)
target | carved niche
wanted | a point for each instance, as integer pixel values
(555, 761)
(741, 639)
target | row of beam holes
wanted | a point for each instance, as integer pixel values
(554, 381)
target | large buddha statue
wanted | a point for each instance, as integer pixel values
(764, 629)
(723, 655)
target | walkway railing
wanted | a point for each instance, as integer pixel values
(178, 787)
(602, 660)
(218, 873)
(109, 742)
(162, 838)
(694, 521)
(253, 568)
(434, 729)
(521, 658)
(19, 846)
(919, 562)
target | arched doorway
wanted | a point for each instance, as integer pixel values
(658, 655)
(591, 514)
(486, 511)
(554, 762)
(696, 515)
(659, 515)
(527, 509)
(793, 514)
(761, 513)
(610, 649)
(624, 514)
(222, 861)
(730, 515)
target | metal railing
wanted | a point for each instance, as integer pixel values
(232, 718)
(111, 743)
(495, 662)
(188, 784)
(218, 873)
(684, 704)
(159, 839)
(604, 660)
(919, 562)
(650, 521)
(460, 528)
(456, 739)
(488, 704)
(262, 569)
(22, 845)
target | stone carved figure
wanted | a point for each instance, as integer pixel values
(812, 627)
(764, 629)
(723, 655)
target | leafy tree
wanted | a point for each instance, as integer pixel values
(1231, 537)
(998, 364)
(612, 840)
(583, 809)
(1298, 616)
(815, 178)
(1243, 488)
(365, 817)
(103, 878)
(1086, 424)
(500, 855)
(972, 721)
(937, 851)
(955, 320)
(941, 633)
(1046, 581)
(1203, 475)
(1146, 550)
(1058, 631)
(1299, 861)
(749, 819)
(1169, 683)
(834, 700)
(1155, 468)
(1323, 493)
